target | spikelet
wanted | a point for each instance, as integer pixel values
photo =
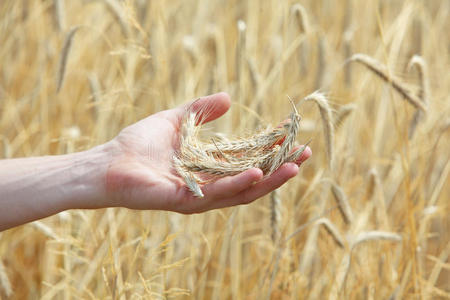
(264, 139)
(288, 143)
(188, 177)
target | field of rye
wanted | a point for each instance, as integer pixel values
(366, 218)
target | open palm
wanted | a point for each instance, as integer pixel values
(141, 176)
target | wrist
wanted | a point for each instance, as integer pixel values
(88, 172)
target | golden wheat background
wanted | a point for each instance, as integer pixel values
(74, 73)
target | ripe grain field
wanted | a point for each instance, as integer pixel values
(366, 218)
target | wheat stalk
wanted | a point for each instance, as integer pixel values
(344, 267)
(60, 14)
(64, 55)
(48, 231)
(341, 114)
(377, 68)
(321, 65)
(255, 77)
(424, 93)
(5, 284)
(348, 35)
(275, 214)
(301, 17)
(191, 48)
(240, 62)
(7, 153)
(445, 126)
(240, 50)
(374, 184)
(340, 277)
(417, 29)
(332, 230)
(342, 201)
(117, 11)
(325, 113)
(94, 85)
(375, 235)
(422, 70)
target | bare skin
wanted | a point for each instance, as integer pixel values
(133, 170)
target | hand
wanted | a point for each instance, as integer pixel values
(141, 175)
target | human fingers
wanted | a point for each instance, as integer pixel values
(213, 192)
(274, 181)
(231, 185)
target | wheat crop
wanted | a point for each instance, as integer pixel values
(367, 217)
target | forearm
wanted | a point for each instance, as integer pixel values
(37, 187)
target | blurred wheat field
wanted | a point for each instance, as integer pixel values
(74, 73)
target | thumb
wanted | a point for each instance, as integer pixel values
(207, 108)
